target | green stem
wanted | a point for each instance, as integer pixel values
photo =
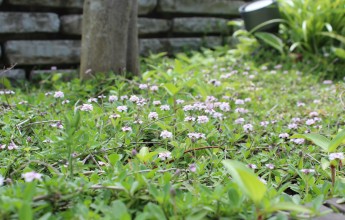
(333, 178)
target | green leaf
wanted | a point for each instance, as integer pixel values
(339, 52)
(119, 211)
(272, 21)
(5, 82)
(271, 40)
(287, 206)
(248, 182)
(324, 163)
(155, 211)
(334, 36)
(171, 88)
(336, 141)
(317, 139)
(197, 216)
(144, 155)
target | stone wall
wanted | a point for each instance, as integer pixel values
(42, 33)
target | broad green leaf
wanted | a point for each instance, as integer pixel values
(339, 52)
(248, 182)
(334, 36)
(144, 155)
(324, 163)
(336, 141)
(155, 211)
(272, 21)
(119, 211)
(197, 216)
(171, 88)
(5, 82)
(271, 40)
(287, 206)
(317, 139)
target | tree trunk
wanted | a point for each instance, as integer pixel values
(109, 37)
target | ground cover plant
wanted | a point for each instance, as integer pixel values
(310, 30)
(206, 136)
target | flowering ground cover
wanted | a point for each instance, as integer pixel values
(200, 137)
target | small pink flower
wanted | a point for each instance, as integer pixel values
(153, 116)
(252, 166)
(126, 129)
(101, 163)
(214, 82)
(307, 171)
(156, 103)
(313, 114)
(23, 102)
(165, 107)
(138, 121)
(59, 94)
(188, 108)
(295, 120)
(102, 97)
(310, 122)
(196, 136)
(134, 98)
(166, 134)
(247, 128)
(179, 101)
(217, 115)
(12, 146)
(241, 110)
(64, 102)
(211, 99)
(114, 116)
(263, 181)
(336, 156)
(270, 166)
(264, 123)
(292, 126)
(300, 104)
(192, 168)
(92, 100)
(298, 141)
(86, 108)
(202, 119)
(164, 155)
(239, 102)
(224, 106)
(31, 176)
(284, 135)
(327, 82)
(189, 119)
(247, 100)
(113, 98)
(124, 97)
(239, 121)
(2, 180)
(143, 86)
(122, 108)
(154, 88)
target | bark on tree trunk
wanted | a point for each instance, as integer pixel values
(109, 37)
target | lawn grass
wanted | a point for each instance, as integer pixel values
(152, 148)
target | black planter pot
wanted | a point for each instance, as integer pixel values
(258, 12)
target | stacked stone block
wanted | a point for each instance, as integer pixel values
(48, 32)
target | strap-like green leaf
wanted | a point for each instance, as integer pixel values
(287, 206)
(317, 139)
(248, 182)
(271, 40)
(336, 141)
